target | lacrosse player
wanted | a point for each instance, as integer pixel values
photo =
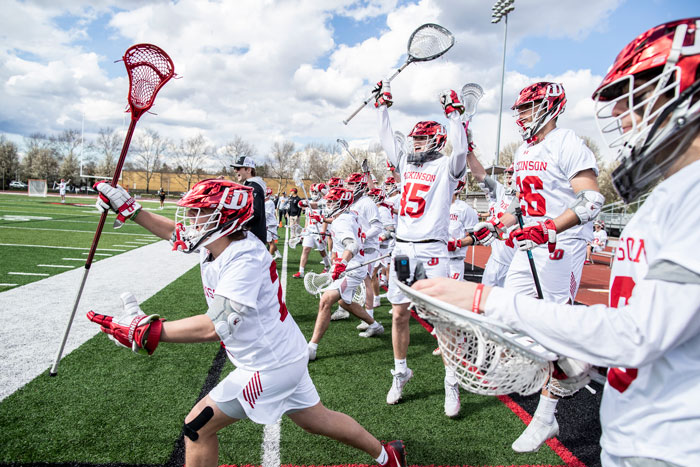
(161, 197)
(556, 175)
(386, 240)
(245, 172)
(246, 313)
(600, 240)
(500, 199)
(271, 224)
(648, 110)
(314, 233)
(371, 225)
(346, 232)
(462, 219)
(62, 189)
(428, 181)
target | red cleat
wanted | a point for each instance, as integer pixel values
(299, 275)
(397, 454)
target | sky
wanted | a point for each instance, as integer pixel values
(292, 70)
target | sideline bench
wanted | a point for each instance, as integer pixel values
(608, 254)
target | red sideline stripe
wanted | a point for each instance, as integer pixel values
(411, 465)
(556, 445)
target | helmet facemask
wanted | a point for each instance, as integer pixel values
(427, 140)
(197, 227)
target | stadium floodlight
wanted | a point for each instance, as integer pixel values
(501, 9)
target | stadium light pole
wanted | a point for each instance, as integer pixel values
(500, 11)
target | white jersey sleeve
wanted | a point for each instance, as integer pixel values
(346, 226)
(462, 218)
(368, 217)
(270, 218)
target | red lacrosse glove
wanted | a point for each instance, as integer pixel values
(487, 232)
(454, 244)
(450, 102)
(532, 235)
(382, 94)
(339, 266)
(470, 140)
(315, 217)
(303, 203)
(134, 330)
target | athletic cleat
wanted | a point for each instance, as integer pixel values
(362, 326)
(588, 262)
(397, 454)
(534, 436)
(277, 255)
(312, 353)
(374, 330)
(299, 275)
(325, 270)
(339, 314)
(437, 351)
(397, 384)
(452, 402)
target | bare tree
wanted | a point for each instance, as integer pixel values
(150, 150)
(9, 159)
(189, 157)
(234, 149)
(320, 163)
(108, 146)
(282, 162)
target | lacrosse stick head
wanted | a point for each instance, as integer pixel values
(316, 284)
(429, 42)
(149, 68)
(360, 294)
(471, 95)
(294, 241)
(487, 358)
(344, 144)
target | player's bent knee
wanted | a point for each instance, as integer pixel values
(191, 429)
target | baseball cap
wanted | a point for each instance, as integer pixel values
(244, 161)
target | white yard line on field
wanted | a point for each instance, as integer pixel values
(73, 259)
(28, 274)
(27, 351)
(66, 230)
(57, 247)
(7, 285)
(66, 266)
(272, 433)
(98, 254)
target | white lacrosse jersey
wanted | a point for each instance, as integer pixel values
(499, 201)
(652, 410)
(62, 187)
(386, 215)
(270, 218)
(312, 225)
(462, 219)
(367, 212)
(347, 225)
(600, 238)
(267, 337)
(426, 189)
(543, 172)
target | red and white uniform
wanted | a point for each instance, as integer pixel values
(501, 254)
(388, 219)
(462, 218)
(649, 408)
(265, 343)
(271, 220)
(311, 237)
(600, 240)
(422, 230)
(62, 188)
(542, 173)
(368, 217)
(347, 226)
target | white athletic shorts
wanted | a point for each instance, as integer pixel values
(272, 235)
(596, 248)
(456, 266)
(382, 251)
(266, 395)
(494, 273)
(369, 257)
(313, 241)
(559, 272)
(347, 284)
(433, 256)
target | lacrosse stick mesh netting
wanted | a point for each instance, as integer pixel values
(149, 68)
(317, 283)
(430, 41)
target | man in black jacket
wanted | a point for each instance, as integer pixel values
(245, 171)
(294, 210)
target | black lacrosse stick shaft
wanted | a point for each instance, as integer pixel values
(519, 215)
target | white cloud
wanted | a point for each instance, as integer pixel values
(528, 58)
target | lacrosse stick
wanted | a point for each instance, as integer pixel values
(345, 146)
(427, 43)
(471, 95)
(535, 277)
(316, 284)
(488, 358)
(149, 68)
(299, 182)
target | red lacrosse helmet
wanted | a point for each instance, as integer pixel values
(210, 210)
(647, 106)
(428, 140)
(338, 200)
(390, 186)
(376, 195)
(318, 190)
(510, 169)
(536, 105)
(268, 192)
(357, 183)
(334, 182)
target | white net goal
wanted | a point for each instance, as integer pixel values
(37, 188)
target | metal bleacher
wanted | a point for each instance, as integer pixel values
(616, 215)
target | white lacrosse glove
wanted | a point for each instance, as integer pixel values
(470, 139)
(117, 199)
(450, 102)
(534, 234)
(486, 232)
(382, 94)
(134, 329)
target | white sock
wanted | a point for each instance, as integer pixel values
(546, 409)
(326, 262)
(370, 311)
(400, 366)
(450, 377)
(383, 457)
(313, 345)
(301, 270)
